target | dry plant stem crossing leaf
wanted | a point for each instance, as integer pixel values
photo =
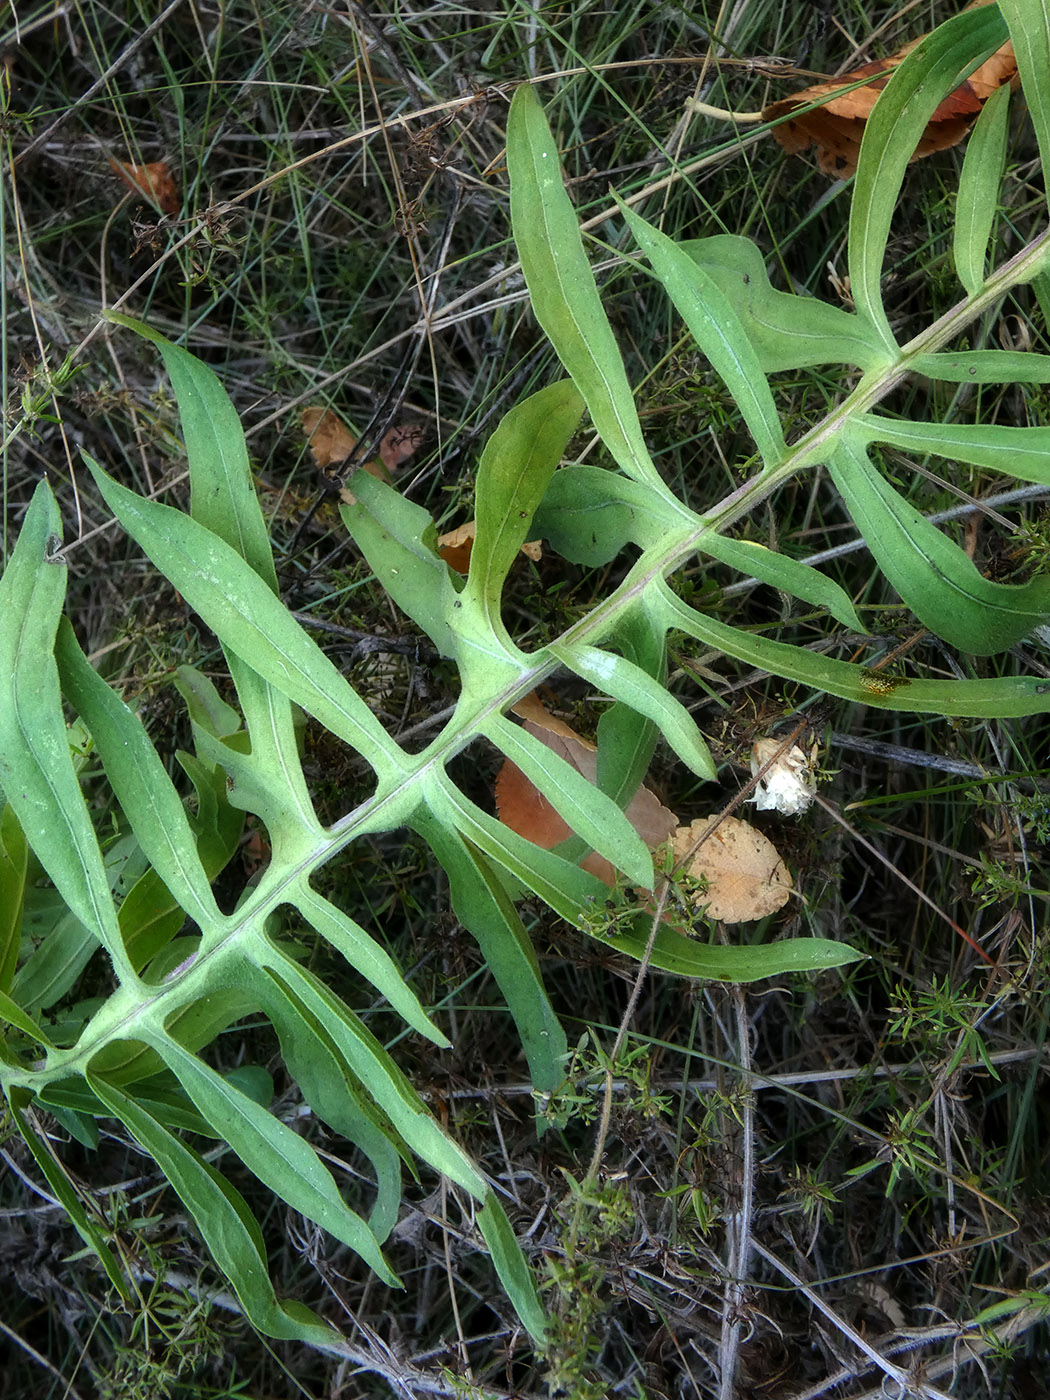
(743, 874)
(601, 1136)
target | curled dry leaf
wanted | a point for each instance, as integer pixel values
(522, 807)
(455, 546)
(837, 125)
(329, 439)
(155, 181)
(331, 442)
(745, 876)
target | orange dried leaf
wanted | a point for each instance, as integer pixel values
(455, 546)
(836, 127)
(745, 877)
(523, 808)
(331, 441)
(155, 181)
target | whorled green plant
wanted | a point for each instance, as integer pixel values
(181, 970)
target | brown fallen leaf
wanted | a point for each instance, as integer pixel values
(836, 127)
(399, 444)
(331, 442)
(329, 439)
(455, 547)
(155, 181)
(746, 878)
(522, 807)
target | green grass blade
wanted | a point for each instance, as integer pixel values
(59, 1182)
(14, 1015)
(36, 770)
(718, 332)
(268, 716)
(280, 1158)
(227, 1226)
(559, 882)
(262, 788)
(139, 780)
(562, 288)
(585, 809)
(906, 104)
(978, 196)
(217, 824)
(937, 580)
(376, 1070)
(65, 949)
(164, 1100)
(14, 871)
(330, 1088)
(207, 709)
(626, 738)
(625, 681)
(482, 906)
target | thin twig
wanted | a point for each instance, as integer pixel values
(738, 1224)
(757, 1080)
(621, 1035)
(908, 1387)
(126, 54)
(69, 1391)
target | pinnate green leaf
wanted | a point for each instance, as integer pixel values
(515, 469)
(933, 69)
(621, 678)
(563, 291)
(232, 599)
(718, 332)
